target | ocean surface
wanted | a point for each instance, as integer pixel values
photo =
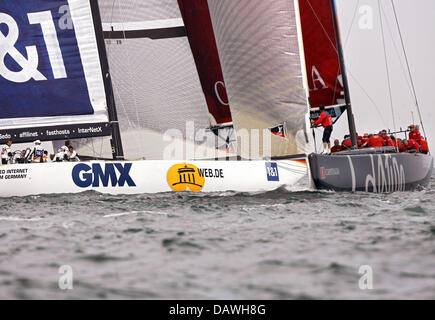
(286, 244)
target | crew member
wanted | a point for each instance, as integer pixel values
(45, 156)
(396, 143)
(347, 142)
(414, 133)
(376, 141)
(365, 140)
(387, 140)
(72, 154)
(6, 152)
(424, 148)
(410, 145)
(326, 122)
(62, 154)
(336, 147)
(37, 154)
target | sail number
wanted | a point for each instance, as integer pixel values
(29, 64)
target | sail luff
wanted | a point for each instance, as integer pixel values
(117, 150)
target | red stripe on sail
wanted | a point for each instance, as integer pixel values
(197, 20)
(321, 53)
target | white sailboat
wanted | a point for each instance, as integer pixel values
(58, 82)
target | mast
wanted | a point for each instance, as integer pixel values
(117, 150)
(350, 118)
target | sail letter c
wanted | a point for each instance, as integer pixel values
(217, 92)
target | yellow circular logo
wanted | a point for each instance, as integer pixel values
(183, 176)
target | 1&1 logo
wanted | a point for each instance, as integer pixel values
(85, 176)
(183, 176)
(272, 171)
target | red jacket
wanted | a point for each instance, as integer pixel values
(376, 141)
(412, 144)
(347, 144)
(415, 135)
(325, 120)
(398, 144)
(423, 146)
(389, 142)
(336, 149)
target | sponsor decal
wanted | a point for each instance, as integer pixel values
(117, 174)
(185, 176)
(322, 173)
(13, 174)
(272, 171)
(211, 173)
(332, 172)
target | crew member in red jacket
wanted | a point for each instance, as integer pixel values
(365, 140)
(336, 147)
(410, 145)
(326, 121)
(396, 143)
(347, 142)
(424, 148)
(387, 140)
(414, 133)
(376, 141)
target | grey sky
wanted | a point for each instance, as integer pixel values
(364, 58)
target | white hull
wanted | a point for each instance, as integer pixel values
(148, 176)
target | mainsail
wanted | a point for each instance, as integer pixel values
(258, 45)
(321, 53)
(51, 82)
(155, 80)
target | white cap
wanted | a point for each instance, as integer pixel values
(38, 141)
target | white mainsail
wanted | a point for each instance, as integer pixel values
(155, 81)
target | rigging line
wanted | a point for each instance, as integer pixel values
(368, 96)
(409, 69)
(351, 24)
(397, 52)
(386, 65)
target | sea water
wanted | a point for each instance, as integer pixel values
(285, 244)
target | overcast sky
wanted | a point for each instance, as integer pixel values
(364, 58)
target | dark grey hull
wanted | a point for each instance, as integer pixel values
(373, 172)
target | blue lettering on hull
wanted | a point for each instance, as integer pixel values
(117, 174)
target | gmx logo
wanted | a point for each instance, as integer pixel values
(272, 171)
(117, 174)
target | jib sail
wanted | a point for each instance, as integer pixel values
(258, 45)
